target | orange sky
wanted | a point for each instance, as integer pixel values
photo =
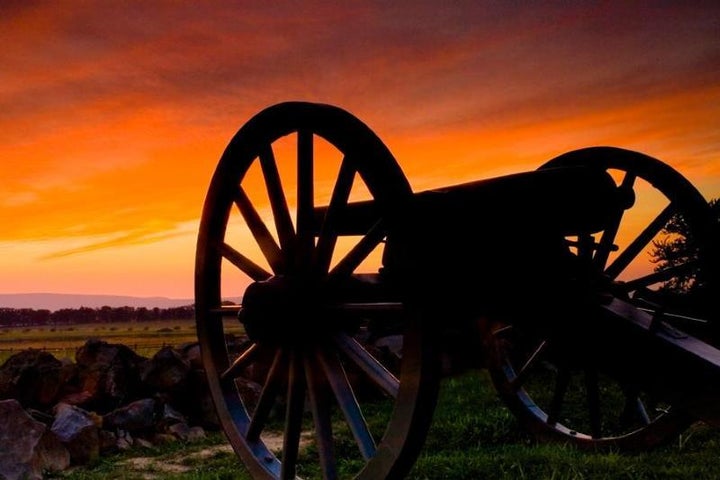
(113, 117)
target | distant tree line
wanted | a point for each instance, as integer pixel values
(70, 316)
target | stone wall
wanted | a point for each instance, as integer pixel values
(56, 413)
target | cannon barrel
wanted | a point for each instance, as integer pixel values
(564, 200)
(509, 231)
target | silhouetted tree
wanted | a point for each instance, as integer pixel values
(678, 247)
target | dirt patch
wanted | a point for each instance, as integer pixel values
(209, 452)
(274, 441)
(151, 468)
(154, 464)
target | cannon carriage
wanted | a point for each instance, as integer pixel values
(311, 221)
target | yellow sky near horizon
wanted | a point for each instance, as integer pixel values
(113, 118)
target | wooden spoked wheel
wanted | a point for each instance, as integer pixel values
(555, 392)
(297, 392)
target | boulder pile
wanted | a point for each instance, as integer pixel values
(56, 413)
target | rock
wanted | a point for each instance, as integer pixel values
(77, 398)
(191, 353)
(41, 416)
(179, 430)
(249, 392)
(139, 415)
(68, 378)
(141, 442)
(108, 441)
(109, 374)
(196, 433)
(199, 408)
(163, 439)
(166, 371)
(185, 433)
(258, 370)
(166, 394)
(123, 444)
(207, 413)
(124, 441)
(78, 431)
(19, 438)
(52, 454)
(32, 377)
(170, 416)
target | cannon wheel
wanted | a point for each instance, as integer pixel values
(582, 406)
(305, 304)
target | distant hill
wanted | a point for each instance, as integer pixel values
(56, 301)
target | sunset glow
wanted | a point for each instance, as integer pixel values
(113, 117)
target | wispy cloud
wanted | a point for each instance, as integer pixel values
(135, 238)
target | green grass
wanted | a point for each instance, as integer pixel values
(473, 436)
(62, 341)
(172, 461)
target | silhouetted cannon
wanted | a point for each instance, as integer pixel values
(588, 287)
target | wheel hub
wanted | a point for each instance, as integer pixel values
(284, 309)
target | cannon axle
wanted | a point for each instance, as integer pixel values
(287, 310)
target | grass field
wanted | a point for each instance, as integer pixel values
(472, 437)
(62, 341)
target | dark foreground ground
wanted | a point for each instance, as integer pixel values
(473, 436)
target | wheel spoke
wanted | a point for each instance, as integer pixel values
(319, 394)
(338, 200)
(561, 385)
(370, 365)
(263, 236)
(345, 397)
(608, 236)
(661, 276)
(522, 374)
(502, 331)
(269, 393)
(593, 398)
(240, 363)
(636, 246)
(359, 252)
(247, 266)
(635, 409)
(293, 416)
(278, 202)
(642, 411)
(305, 200)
